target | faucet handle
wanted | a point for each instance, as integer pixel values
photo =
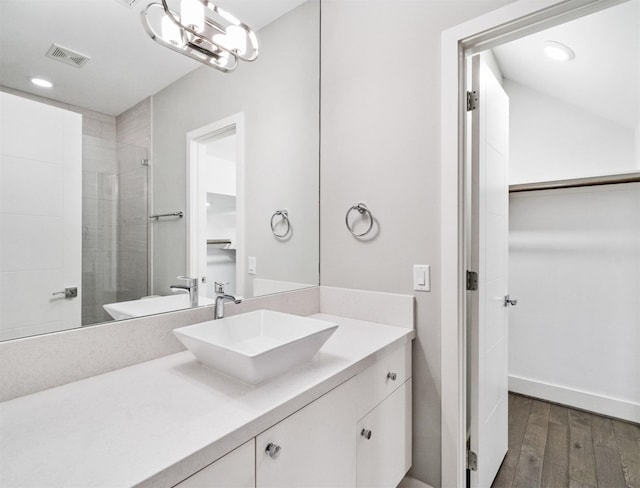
(190, 281)
(219, 287)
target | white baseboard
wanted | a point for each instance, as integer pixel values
(612, 407)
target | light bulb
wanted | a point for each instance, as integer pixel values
(237, 39)
(170, 31)
(558, 51)
(192, 14)
(41, 82)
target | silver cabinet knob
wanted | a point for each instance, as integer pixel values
(273, 450)
(366, 433)
(392, 376)
(510, 301)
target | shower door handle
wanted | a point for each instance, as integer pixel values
(510, 301)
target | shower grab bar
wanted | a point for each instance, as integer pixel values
(160, 216)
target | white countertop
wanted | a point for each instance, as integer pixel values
(155, 423)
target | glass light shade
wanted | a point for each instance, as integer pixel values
(236, 38)
(170, 31)
(192, 14)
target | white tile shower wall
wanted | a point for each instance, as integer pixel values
(133, 133)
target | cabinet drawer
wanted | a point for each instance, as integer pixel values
(234, 470)
(376, 383)
(384, 441)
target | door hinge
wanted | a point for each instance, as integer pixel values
(472, 461)
(472, 280)
(472, 100)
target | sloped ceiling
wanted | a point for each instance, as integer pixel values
(604, 77)
(126, 66)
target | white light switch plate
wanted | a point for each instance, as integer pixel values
(252, 265)
(421, 277)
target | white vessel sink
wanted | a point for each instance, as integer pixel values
(151, 306)
(256, 346)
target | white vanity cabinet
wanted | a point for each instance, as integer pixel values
(356, 435)
(314, 447)
(384, 441)
(234, 470)
(383, 430)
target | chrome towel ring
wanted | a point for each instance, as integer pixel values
(362, 209)
(285, 217)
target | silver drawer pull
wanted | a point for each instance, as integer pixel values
(70, 292)
(366, 433)
(273, 450)
(392, 376)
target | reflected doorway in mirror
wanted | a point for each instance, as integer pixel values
(215, 167)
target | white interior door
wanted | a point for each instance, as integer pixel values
(40, 217)
(490, 225)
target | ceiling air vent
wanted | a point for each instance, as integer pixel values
(67, 56)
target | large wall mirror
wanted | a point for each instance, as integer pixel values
(140, 165)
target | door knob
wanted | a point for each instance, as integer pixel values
(392, 376)
(366, 433)
(510, 301)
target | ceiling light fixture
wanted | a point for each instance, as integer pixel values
(41, 82)
(558, 51)
(202, 31)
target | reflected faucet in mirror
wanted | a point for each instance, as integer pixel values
(222, 297)
(191, 288)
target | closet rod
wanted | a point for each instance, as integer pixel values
(577, 182)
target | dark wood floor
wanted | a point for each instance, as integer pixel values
(554, 446)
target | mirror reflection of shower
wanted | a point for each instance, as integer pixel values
(115, 201)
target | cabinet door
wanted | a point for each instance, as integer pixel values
(316, 445)
(235, 470)
(384, 441)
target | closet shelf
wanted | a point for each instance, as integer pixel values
(577, 182)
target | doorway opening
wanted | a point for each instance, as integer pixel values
(507, 24)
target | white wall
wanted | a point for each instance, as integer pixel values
(553, 140)
(574, 268)
(381, 145)
(278, 94)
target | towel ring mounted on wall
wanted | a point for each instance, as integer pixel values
(285, 217)
(362, 209)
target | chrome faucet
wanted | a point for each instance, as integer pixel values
(222, 297)
(191, 287)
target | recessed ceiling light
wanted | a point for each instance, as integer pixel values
(41, 82)
(558, 51)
